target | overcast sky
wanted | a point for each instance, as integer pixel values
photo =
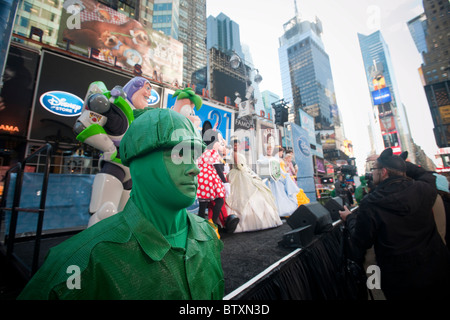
(261, 25)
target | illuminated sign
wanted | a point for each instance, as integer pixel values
(9, 128)
(381, 96)
(61, 103)
(154, 98)
(111, 36)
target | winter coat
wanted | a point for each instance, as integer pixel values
(397, 219)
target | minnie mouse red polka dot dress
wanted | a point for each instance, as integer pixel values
(210, 185)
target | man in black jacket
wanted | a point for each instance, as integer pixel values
(397, 219)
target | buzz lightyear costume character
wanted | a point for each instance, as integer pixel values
(154, 248)
(105, 118)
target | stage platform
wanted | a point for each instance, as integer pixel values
(247, 254)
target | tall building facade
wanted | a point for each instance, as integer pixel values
(418, 29)
(223, 34)
(307, 82)
(389, 122)
(436, 68)
(223, 79)
(185, 21)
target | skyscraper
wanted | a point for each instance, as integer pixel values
(223, 79)
(389, 120)
(418, 29)
(185, 21)
(223, 34)
(436, 68)
(307, 81)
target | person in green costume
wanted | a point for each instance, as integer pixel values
(361, 190)
(154, 248)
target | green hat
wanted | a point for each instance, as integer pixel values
(188, 93)
(157, 129)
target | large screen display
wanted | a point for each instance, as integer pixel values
(60, 78)
(121, 40)
(17, 93)
(381, 96)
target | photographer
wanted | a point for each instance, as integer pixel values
(340, 188)
(397, 219)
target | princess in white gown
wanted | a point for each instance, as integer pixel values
(284, 189)
(250, 199)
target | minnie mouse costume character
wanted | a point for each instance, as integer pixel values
(211, 180)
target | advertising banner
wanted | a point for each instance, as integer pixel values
(307, 123)
(387, 124)
(17, 93)
(59, 94)
(381, 96)
(303, 158)
(219, 118)
(328, 139)
(444, 111)
(120, 40)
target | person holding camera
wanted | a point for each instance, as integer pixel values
(397, 219)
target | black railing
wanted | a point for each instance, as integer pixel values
(10, 239)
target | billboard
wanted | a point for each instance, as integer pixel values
(226, 86)
(378, 82)
(381, 96)
(328, 139)
(304, 160)
(387, 124)
(17, 93)
(444, 112)
(307, 123)
(55, 124)
(218, 117)
(121, 41)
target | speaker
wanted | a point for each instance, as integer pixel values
(335, 205)
(297, 238)
(313, 214)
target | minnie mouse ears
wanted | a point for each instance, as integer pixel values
(388, 160)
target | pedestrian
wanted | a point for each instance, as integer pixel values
(340, 188)
(396, 218)
(154, 248)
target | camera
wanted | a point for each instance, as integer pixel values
(368, 177)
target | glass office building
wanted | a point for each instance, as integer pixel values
(307, 80)
(389, 118)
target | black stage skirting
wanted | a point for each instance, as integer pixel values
(316, 272)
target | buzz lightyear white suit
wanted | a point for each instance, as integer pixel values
(104, 120)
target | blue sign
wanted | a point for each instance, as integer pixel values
(303, 158)
(154, 98)
(62, 103)
(381, 96)
(302, 151)
(219, 119)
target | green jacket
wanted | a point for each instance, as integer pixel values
(125, 257)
